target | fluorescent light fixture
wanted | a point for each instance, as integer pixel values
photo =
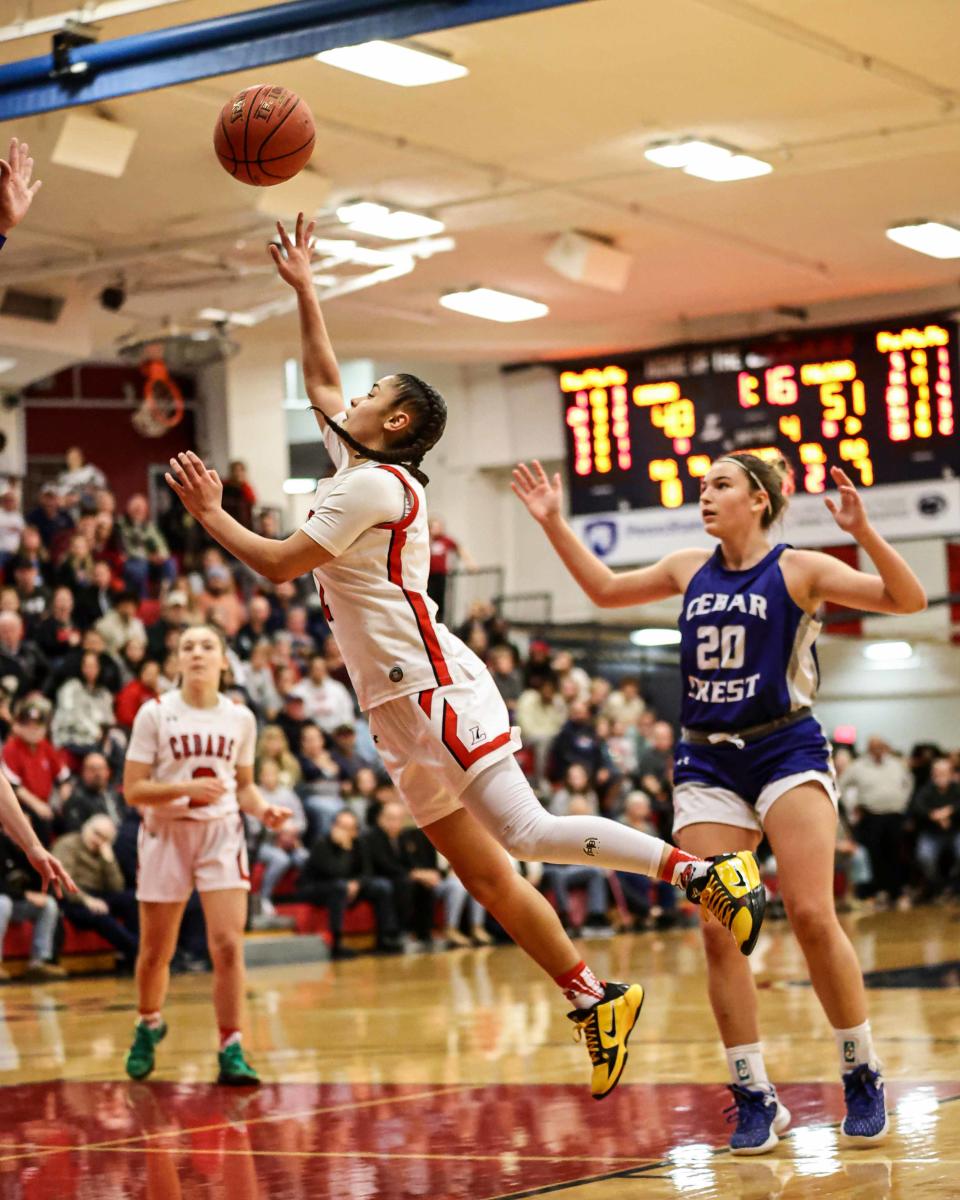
(706, 160)
(492, 305)
(299, 487)
(7, 364)
(927, 237)
(376, 220)
(392, 63)
(219, 315)
(655, 637)
(887, 651)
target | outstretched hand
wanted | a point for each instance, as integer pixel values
(199, 487)
(16, 190)
(293, 261)
(542, 496)
(52, 872)
(850, 514)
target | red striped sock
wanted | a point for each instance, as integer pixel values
(227, 1036)
(675, 866)
(580, 986)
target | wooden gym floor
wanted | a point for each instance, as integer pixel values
(455, 1076)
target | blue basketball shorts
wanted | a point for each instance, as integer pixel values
(723, 784)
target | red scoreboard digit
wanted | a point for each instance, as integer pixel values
(878, 400)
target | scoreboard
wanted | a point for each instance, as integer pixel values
(642, 429)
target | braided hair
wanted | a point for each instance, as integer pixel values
(429, 418)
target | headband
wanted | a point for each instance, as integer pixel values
(746, 470)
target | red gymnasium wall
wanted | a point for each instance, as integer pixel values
(105, 435)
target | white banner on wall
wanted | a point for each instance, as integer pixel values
(898, 511)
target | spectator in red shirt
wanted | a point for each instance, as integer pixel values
(37, 771)
(445, 553)
(136, 693)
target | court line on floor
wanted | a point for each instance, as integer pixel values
(47, 1151)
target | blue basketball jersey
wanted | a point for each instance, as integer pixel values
(747, 650)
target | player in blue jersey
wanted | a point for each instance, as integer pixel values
(752, 758)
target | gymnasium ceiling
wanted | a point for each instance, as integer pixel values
(855, 104)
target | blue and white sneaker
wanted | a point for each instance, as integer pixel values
(760, 1118)
(866, 1121)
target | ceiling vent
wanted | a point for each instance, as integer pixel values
(31, 306)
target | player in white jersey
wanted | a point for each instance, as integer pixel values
(189, 768)
(439, 721)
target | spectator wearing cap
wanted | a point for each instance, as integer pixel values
(34, 596)
(133, 695)
(22, 900)
(345, 752)
(37, 771)
(147, 554)
(57, 634)
(23, 667)
(80, 481)
(95, 599)
(92, 794)
(11, 525)
(121, 623)
(537, 666)
(219, 600)
(291, 719)
(84, 709)
(102, 902)
(326, 702)
(257, 629)
(49, 516)
(174, 616)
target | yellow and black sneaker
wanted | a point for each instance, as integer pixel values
(607, 1026)
(732, 892)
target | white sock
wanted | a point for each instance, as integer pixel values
(855, 1047)
(747, 1067)
(503, 802)
(152, 1020)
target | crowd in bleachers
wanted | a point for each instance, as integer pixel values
(91, 603)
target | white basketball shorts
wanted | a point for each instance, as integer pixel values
(435, 743)
(180, 855)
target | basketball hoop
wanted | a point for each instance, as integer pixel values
(162, 406)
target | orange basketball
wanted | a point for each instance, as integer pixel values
(264, 135)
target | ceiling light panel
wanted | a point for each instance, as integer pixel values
(492, 305)
(390, 62)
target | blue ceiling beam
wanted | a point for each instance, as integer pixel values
(165, 57)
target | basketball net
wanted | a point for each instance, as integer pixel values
(161, 407)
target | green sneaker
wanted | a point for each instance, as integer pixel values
(140, 1058)
(235, 1071)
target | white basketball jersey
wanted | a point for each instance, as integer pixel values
(181, 742)
(373, 519)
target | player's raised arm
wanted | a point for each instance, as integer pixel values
(543, 498)
(321, 373)
(201, 491)
(896, 589)
(16, 190)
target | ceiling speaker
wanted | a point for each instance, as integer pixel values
(589, 260)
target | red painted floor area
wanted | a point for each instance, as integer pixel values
(174, 1141)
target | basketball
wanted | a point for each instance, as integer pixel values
(264, 135)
